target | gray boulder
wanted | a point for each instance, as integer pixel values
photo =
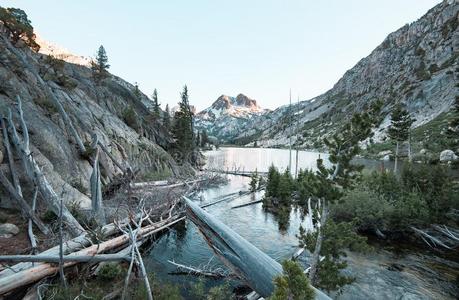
(7, 230)
(447, 155)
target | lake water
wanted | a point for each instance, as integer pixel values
(423, 275)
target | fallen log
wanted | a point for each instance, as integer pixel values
(248, 262)
(247, 204)
(66, 258)
(69, 246)
(28, 276)
(196, 271)
(229, 197)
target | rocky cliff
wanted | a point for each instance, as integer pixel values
(113, 110)
(415, 65)
(227, 117)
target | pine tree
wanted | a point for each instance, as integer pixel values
(452, 132)
(183, 126)
(100, 65)
(399, 129)
(253, 181)
(18, 27)
(204, 138)
(292, 284)
(328, 185)
(156, 105)
(137, 92)
(167, 118)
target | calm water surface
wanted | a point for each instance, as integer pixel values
(423, 276)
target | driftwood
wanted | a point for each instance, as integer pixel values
(33, 240)
(66, 258)
(69, 246)
(250, 264)
(9, 154)
(247, 204)
(36, 175)
(39, 271)
(198, 271)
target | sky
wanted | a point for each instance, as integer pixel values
(261, 48)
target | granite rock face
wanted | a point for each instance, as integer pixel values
(93, 108)
(416, 65)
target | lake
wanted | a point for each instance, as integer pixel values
(423, 275)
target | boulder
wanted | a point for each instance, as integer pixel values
(423, 151)
(7, 230)
(386, 157)
(384, 153)
(447, 155)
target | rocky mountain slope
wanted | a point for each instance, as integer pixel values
(228, 116)
(112, 110)
(416, 65)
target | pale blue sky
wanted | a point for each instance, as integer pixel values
(257, 47)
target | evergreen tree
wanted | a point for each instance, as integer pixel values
(100, 65)
(293, 284)
(399, 129)
(183, 126)
(18, 26)
(272, 184)
(167, 118)
(156, 105)
(452, 132)
(137, 93)
(328, 185)
(204, 138)
(253, 181)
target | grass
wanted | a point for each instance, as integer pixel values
(158, 175)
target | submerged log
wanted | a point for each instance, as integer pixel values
(248, 262)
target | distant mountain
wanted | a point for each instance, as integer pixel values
(417, 65)
(227, 116)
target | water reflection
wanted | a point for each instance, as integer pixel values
(374, 281)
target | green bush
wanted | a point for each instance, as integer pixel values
(110, 271)
(131, 118)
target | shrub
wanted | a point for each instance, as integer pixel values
(292, 284)
(130, 118)
(110, 271)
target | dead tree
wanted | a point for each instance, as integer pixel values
(36, 175)
(96, 192)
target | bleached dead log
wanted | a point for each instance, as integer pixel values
(49, 93)
(33, 240)
(66, 258)
(96, 192)
(22, 203)
(9, 154)
(36, 175)
(219, 273)
(69, 246)
(247, 204)
(434, 241)
(33, 274)
(135, 253)
(250, 264)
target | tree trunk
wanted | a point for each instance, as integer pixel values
(315, 259)
(410, 159)
(36, 175)
(96, 192)
(396, 158)
(25, 277)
